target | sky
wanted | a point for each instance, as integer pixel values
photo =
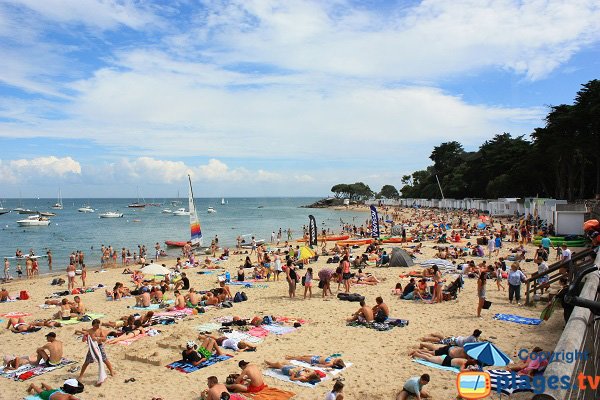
(271, 98)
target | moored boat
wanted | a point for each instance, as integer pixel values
(111, 214)
(34, 221)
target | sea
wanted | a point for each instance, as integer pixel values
(71, 230)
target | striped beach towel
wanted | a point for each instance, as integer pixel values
(94, 350)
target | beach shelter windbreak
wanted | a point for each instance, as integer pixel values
(312, 228)
(400, 258)
(374, 222)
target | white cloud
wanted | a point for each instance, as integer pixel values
(23, 170)
(108, 14)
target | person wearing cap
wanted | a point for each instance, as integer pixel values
(250, 379)
(51, 352)
(46, 392)
(190, 355)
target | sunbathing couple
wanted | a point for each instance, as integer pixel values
(51, 353)
(68, 309)
(378, 313)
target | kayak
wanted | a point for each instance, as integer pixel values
(395, 240)
(328, 238)
(173, 243)
(354, 242)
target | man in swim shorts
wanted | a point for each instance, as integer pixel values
(51, 352)
(250, 379)
(45, 392)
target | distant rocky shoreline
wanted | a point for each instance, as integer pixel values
(331, 202)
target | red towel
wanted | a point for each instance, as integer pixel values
(270, 393)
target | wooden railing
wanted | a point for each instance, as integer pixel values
(556, 271)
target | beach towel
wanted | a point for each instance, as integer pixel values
(187, 368)
(150, 307)
(291, 320)
(15, 314)
(521, 383)
(270, 393)
(378, 326)
(277, 374)
(332, 371)
(208, 327)
(278, 329)
(242, 336)
(32, 330)
(94, 350)
(29, 371)
(73, 321)
(517, 319)
(434, 365)
(258, 331)
(133, 339)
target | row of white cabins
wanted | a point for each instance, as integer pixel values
(567, 218)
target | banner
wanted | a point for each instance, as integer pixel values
(312, 229)
(374, 222)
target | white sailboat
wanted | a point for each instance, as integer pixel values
(195, 230)
(59, 203)
(222, 200)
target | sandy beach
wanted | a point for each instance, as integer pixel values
(380, 359)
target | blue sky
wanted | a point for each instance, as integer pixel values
(277, 98)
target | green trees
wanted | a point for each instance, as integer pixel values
(561, 160)
(389, 192)
(355, 192)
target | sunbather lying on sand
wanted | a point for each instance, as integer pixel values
(235, 344)
(127, 334)
(294, 372)
(439, 350)
(446, 361)
(146, 320)
(47, 392)
(208, 347)
(14, 362)
(19, 324)
(451, 340)
(319, 361)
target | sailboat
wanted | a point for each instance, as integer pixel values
(3, 210)
(195, 230)
(222, 200)
(137, 204)
(59, 204)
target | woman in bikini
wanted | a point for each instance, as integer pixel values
(295, 373)
(18, 325)
(446, 361)
(129, 333)
(326, 362)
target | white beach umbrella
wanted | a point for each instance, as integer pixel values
(155, 269)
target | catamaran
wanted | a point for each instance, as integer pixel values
(59, 203)
(195, 231)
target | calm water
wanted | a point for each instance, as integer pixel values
(71, 230)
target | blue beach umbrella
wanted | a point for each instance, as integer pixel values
(487, 353)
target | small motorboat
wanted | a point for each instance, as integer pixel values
(47, 214)
(211, 210)
(86, 209)
(167, 211)
(111, 214)
(26, 211)
(181, 212)
(34, 220)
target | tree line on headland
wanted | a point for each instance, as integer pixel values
(560, 160)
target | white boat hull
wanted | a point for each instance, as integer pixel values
(85, 210)
(111, 215)
(28, 222)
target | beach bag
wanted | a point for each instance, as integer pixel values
(226, 304)
(267, 320)
(244, 296)
(24, 295)
(237, 298)
(303, 280)
(487, 304)
(321, 284)
(343, 296)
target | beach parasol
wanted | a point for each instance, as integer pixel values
(155, 269)
(487, 353)
(305, 253)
